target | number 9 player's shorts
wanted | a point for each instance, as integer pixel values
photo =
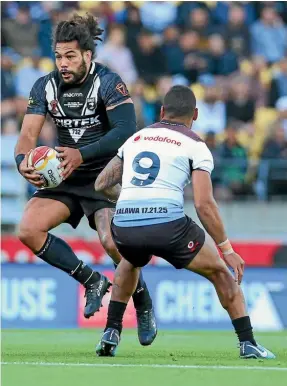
(177, 242)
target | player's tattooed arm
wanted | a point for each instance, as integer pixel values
(110, 176)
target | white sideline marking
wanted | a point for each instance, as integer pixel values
(145, 365)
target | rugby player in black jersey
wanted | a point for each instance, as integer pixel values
(94, 115)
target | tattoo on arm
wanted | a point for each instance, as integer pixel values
(111, 175)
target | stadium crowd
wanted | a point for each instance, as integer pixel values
(232, 54)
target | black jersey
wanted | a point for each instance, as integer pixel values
(79, 111)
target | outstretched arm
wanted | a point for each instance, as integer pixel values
(109, 179)
(206, 206)
(210, 218)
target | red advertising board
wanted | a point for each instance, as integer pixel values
(12, 250)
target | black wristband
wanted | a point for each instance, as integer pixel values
(19, 158)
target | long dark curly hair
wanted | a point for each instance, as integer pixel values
(84, 29)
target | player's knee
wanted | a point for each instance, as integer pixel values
(224, 281)
(28, 235)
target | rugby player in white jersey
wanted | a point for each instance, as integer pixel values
(155, 165)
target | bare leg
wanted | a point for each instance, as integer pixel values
(103, 219)
(125, 282)
(141, 297)
(43, 214)
(208, 263)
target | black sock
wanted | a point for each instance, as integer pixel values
(59, 254)
(141, 297)
(243, 329)
(115, 315)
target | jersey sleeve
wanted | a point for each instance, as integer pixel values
(121, 152)
(37, 103)
(113, 90)
(201, 158)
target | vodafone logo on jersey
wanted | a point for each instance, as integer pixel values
(137, 138)
(158, 138)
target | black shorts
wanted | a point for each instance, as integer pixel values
(178, 242)
(80, 199)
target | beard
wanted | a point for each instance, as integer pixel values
(76, 77)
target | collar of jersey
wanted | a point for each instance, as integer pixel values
(172, 123)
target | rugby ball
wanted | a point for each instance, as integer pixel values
(45, 162)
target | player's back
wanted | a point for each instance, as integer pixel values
(158, 162)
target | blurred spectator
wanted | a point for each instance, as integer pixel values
(163, 85)
(172, 51)
(233, 165)
(157, 15)
(270, 178)
(281, 106)
(240, 106)
(106, 12)
(134, 26)
(117, 56)
(8, 90)
(199, 22)
(210, 140)
(276, 145)
(211, 110)
(27, 75)
(211, 143)
(269, 36)
(21, 34)
(145, 112)
(10, 126)
(257, 88)
(55, 14)
(25, 78)
(192, 61)
(221, 11)
(182, 55)
(36, 8)
(219, 60)
(278, 87)
(184, 10)
(236, 33)
(149, 58)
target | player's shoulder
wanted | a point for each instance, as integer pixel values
(42, 82)
(104, 72)
(109, 78)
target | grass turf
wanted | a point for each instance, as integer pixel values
(207, 348)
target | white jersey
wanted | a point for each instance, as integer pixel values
(158, 162)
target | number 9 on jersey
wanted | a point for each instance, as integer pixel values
(146, 163)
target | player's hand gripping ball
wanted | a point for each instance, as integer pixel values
(45, 162)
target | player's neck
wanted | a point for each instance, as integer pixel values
(177, 121)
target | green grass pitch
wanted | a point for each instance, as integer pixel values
(55, 356)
